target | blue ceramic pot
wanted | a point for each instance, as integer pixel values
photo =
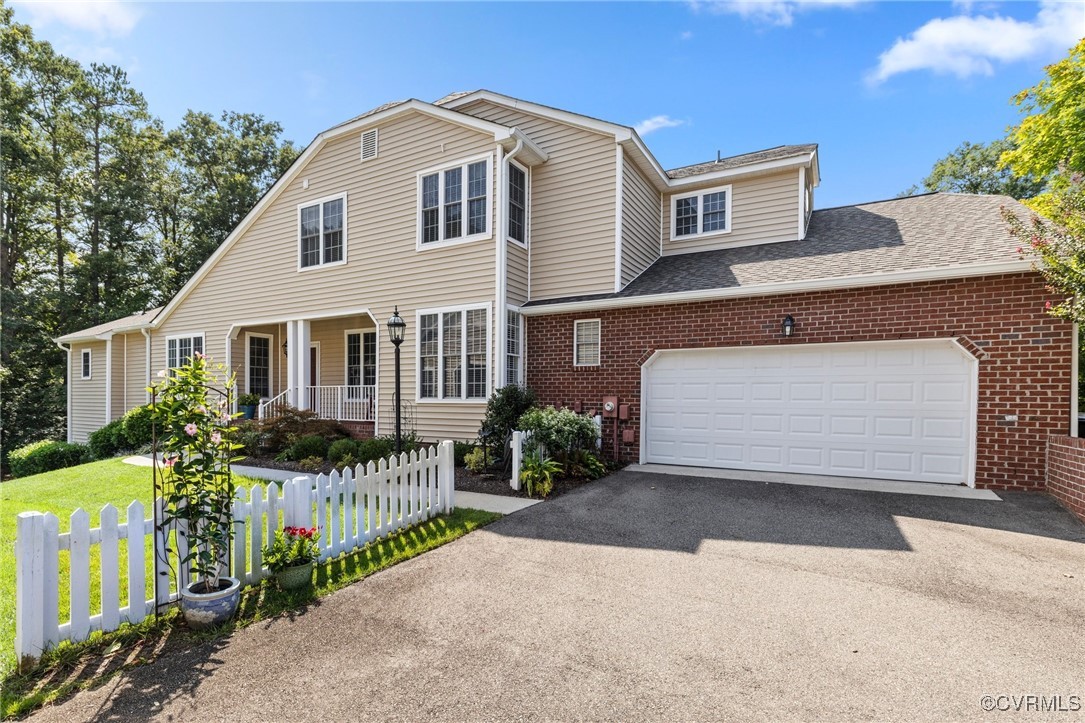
(204, 610)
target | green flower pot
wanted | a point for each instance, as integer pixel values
(296, 577)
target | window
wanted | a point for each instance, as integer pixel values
(361, 361)
(258, 363)
(322, 233)
(86, 365)
(179, 349)
(454, 203)
(453, 354)
(517, 203)
(701, 213)
(513, 349)
(586, 343)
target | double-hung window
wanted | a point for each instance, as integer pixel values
(322, 232)
(586, 342)
(85, 364)
(179, 349)
(259, 364)
(453, 354)
(361, 361)
(454, 203)
(518, 203)
(514, 348)
(701, 213)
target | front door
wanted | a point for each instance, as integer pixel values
(314, 365)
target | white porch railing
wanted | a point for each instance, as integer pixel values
(351, 509)
(274, 406)
(356, 403)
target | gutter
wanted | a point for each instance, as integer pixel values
(783, 287)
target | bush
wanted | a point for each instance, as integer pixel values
(475, 460)
(312, 445)
(311, 464)
(587, 465)
(371, 450)
(251, 440)
(341, 449)
(138, 426)
(107, 441)
(461, 449)
(560, 431)
(46, 456)
(503, 412)
(283, 431)
(537, 474)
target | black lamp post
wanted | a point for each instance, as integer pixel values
(396, 327)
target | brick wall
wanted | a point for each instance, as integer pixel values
(1066, 472)
(1025, 354)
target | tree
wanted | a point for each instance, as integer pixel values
(974, 168)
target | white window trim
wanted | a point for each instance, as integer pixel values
(90, 363)
(346, 354)
(444, 243)
(576, 327)
(700, 213)
(507, 199)
(320, 202)
(270, 362)
(193, 335)
(463, 399)
(523, 346)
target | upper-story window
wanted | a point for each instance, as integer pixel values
(517, 203)
(86, 365)
(701, 213)
(179, 349)
(454, 202)
(322, 232)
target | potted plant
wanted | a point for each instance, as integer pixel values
(293, 555)
(195, 433)
(247, 404)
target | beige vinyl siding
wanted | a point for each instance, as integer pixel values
(129, 372)
(87, 412)
(258, 279)
(517, 275)
(763, 208)
(640, 223)
(572, 204)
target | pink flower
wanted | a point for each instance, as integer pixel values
(1020, 250)
(169, 461)
(190, 429)
(1047, 305)
(215, 437)
(198, 355)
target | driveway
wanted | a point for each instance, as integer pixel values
(661, 597)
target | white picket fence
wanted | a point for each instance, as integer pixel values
(519, 444)
(351, 510)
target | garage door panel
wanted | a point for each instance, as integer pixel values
(891, 410)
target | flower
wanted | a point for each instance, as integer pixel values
(198, 355)
(1047, 305)
(190, 429)
(169, 461)
(216, 437)
(161, 373)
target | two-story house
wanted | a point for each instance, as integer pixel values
(708, 312)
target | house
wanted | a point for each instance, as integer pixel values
(708, 312)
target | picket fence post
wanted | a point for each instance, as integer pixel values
(29, 585)
(517, 444)
(446, 476)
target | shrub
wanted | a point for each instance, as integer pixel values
(475, 460)
(537, 474)
(311, 464)
(461, 449)
(587, 465)
(503, 412)
(138, 426)
(311, 445)
(560, 431)
(46, 456)
(248, 400)
(284, 430)
(371, 450)
(340, 449)
(251, 440)
(348, 460)
(107, 441)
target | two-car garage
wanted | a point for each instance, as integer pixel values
(901, 410)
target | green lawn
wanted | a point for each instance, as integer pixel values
(90, 486)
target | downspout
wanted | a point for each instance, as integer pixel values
(501, 315)
(124, 390)
(147, 370)
(68, 384)
(1075, 361)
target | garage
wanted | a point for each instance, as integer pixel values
(900, 410)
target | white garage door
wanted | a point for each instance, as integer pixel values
(887, 410)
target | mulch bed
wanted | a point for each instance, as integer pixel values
(468, 481)
(271, 463)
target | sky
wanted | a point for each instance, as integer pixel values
(884, 88)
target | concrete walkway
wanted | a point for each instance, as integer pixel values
(473, 500)
(660, 597)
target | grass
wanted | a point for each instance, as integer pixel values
(72, 667)
(90, 486)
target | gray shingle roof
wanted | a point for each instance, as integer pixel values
(133, 321)
(744, 159)
(938, 230)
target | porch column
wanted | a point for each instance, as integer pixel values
(291, 363)
(302, 359)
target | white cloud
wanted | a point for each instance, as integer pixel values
(686, 35)
(967, 45)
(101, 17)
(772, 12)
(655, 123)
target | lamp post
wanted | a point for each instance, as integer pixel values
(396, 327)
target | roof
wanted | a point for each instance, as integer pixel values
(744, 159)
(371, 111)
(139, 320)
(953, 232)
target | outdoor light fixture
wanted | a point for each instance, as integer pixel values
(396, 327)
(284, 349)
(788, 326)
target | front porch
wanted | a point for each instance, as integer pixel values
(337, 377)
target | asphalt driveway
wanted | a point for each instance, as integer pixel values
(670, 598)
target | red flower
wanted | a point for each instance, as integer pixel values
(1047, 305)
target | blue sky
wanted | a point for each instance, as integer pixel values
(885, 88)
